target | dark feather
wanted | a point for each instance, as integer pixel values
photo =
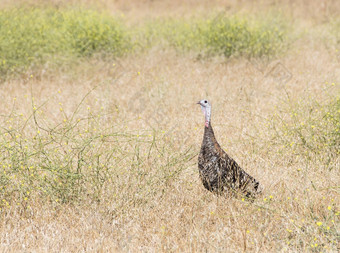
(219, 172)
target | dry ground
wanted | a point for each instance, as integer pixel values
(158, 91)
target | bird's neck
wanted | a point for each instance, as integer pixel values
(207, 115)
(208, 130)
(210, 141)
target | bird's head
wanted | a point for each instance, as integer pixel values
(206, 109)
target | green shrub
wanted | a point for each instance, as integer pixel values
(32, 35)
(222, 35)
(238, 36)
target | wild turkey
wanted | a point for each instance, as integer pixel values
(218, 171)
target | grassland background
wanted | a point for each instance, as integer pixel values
(99, 150)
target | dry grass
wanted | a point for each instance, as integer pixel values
(152, 198)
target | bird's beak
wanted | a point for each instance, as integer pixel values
(199, 103)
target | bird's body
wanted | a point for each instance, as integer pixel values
(217, 170)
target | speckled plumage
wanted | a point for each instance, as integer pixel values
(218, 171)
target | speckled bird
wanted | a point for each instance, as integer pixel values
(218, 171)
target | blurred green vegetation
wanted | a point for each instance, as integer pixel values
(238, 36)
(234, 36)
(219, 35)
(30, 37)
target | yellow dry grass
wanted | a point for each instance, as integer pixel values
(157, 92)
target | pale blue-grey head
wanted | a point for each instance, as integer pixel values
(206, 109)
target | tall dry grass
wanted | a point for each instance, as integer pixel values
(138, 188)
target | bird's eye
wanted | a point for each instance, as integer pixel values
(205, 101)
